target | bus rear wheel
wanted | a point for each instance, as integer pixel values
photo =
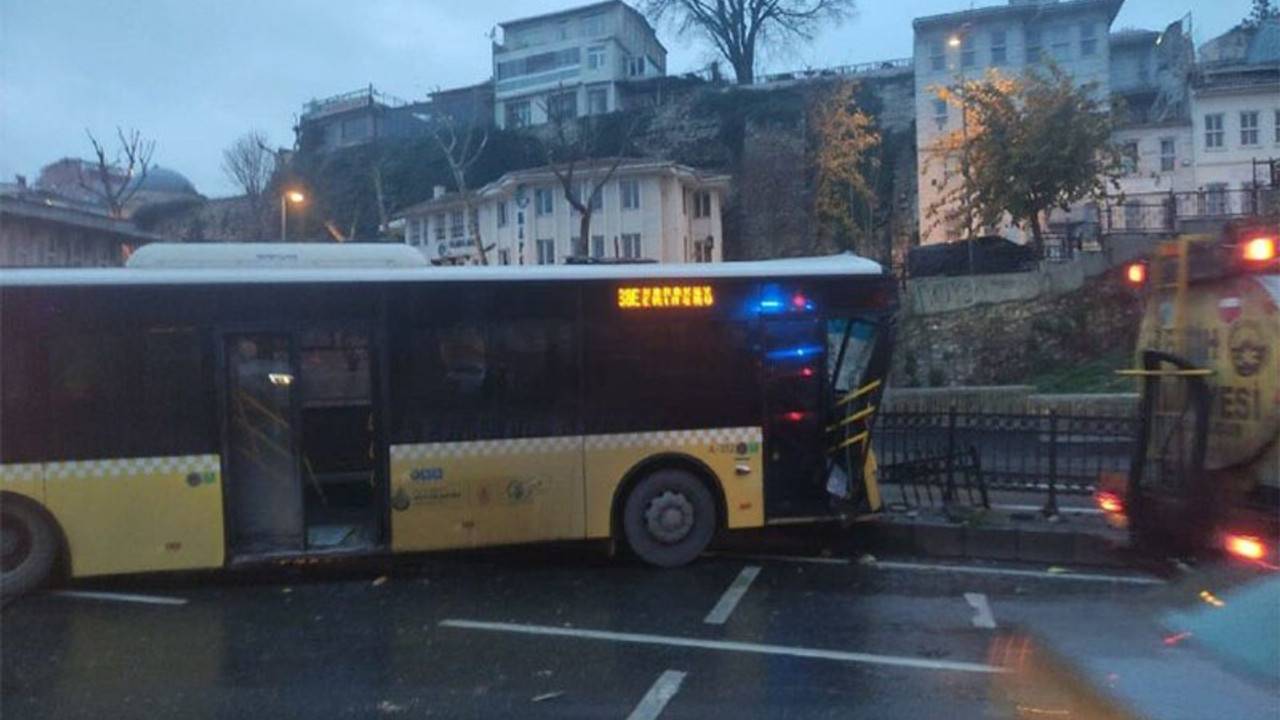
(669, 518)
(30, 547)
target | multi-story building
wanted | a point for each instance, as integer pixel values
(1235, 115)
(568, 64)
(355, 118)
(646, 210)
(955, 47)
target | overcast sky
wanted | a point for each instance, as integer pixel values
(195, 74)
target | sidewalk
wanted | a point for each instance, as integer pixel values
(1077, 536)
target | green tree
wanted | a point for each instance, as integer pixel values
(1028, 145)
(844, 138)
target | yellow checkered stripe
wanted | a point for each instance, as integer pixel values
(674, 438)
(132, 467)
(21, 472)
(618, 441)
(518, 446)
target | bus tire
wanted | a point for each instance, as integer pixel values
(669, 517)
(30, 547)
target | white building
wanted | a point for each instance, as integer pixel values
(955, 47)
(1235, 113)
(569, 63)
(648, 209)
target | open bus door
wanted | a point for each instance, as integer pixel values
(1170, 500)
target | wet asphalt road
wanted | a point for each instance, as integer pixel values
(529, 633)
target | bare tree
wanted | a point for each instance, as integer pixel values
(570, 147)
(462, 147)
(250, 163)
(116, 181)
(737, 28)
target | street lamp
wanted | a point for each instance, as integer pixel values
(956, 41)
(289, 196)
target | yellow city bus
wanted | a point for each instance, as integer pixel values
(221, 405)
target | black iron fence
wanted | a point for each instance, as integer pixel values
(1164, 213)
(963, 457)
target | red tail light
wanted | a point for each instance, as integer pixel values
(1109, 502)
(1136, 273)
(1245, 546)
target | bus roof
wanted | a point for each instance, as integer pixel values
(845, 264)
(275, 256)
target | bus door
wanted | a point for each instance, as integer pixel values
(301, 444)
(857, 362)
(792, 350)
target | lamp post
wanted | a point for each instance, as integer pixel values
(288, 196)
(956, 41)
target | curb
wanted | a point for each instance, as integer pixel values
(1062, 544)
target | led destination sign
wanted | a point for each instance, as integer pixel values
(665, 296)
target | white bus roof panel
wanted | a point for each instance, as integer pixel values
(836, 265)
(275, 256)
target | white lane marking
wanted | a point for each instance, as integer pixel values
(1009, 572)
(782, 558)
(757, 648)
(982, 617)
(720, 613)
(120, 597)
(665, 688)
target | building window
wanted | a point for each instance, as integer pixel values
(1034, 46)
(439, 224)
(562, 106)
(593, 26)
(702, 204)
(631, 246)
(595, 57)
(702, 249)
(968, 55)
(1088, 39)
(504, 257)
(1277, 127)
(1213, 133)
(1060, 44)
(456, 227)
(597, 246)
(999, 48)
(1215, 199)
(502, 214)
(1129, 157)
(1249, 128)
(543, 201)
(938, 55)
(546, 252)
(636, 66)
(518, 114)
(630, 192)
(595, 202)
(1168, 155)
(940, 113)
(597, 101)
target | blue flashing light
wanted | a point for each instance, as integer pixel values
(770, 305)
(793, 353)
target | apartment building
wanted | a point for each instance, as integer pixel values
(569, 63)
(954, 47)
(654, 210)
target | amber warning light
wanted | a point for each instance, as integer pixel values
(1136, 273)
(665, 296)
(1259, 250)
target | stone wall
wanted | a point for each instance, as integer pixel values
(1004, 329)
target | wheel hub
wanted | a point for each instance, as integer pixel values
(669, 517)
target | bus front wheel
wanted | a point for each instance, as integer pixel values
(30, 547)
(669, 518)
